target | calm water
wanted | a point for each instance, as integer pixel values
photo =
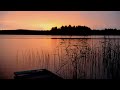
(71, 57)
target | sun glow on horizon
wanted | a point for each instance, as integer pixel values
(45, 20)
(46, 26)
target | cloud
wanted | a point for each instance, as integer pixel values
(33, 19)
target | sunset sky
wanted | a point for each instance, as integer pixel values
(45, 20)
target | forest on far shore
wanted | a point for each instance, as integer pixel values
(63, 30)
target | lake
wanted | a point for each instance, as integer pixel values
(70, 57)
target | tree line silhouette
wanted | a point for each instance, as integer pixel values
(76, 30)
(64, 30)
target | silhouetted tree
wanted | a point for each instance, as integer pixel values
(54, 29)
(65, 30)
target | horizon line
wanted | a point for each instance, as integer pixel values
(64, 26)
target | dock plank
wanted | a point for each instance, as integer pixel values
(36, 74)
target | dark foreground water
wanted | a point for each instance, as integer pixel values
(70, 57)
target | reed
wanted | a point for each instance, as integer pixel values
(80, 59)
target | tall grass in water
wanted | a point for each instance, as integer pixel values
(111, 58)
(93, 62)
(32, 59)
(75, 54)
(77, 59)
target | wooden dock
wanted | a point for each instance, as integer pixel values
(41, 74)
